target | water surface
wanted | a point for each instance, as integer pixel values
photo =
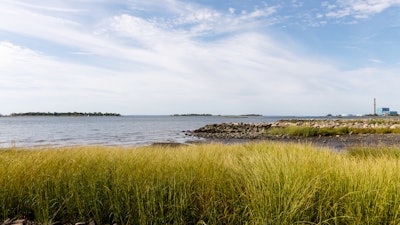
(120, 131)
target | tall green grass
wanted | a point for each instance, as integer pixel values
(256, 183)
(375, 152)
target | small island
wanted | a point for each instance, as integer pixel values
(64, 114)
(192, 114)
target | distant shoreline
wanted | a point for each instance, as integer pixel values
(192, 114)
(63, 114)
(228, 116)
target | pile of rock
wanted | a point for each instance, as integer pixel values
(233, 130)
(360, 123)
(259, 130)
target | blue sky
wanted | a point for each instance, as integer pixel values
(157, 57)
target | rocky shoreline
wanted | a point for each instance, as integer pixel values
(242, 132)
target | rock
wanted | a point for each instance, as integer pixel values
(91, 222)
(395, 126)
(7, 222)
(232, 130)
(19, 222)
(57, 223)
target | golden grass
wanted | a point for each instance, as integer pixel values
(254, 183)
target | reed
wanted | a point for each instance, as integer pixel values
(254, 183)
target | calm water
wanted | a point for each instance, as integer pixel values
(124, 130)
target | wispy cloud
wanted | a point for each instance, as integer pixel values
(357, 9)
(197, 20)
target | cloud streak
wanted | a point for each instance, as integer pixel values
(357, 9)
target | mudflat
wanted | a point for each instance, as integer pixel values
(342, 142)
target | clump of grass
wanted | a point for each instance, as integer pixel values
(255, 183)
(375, 152)
(383, 121)
(302, 131)
(375, 130)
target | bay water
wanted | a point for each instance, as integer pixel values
(26, 131)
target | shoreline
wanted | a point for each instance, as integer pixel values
(359, 132)
(339, 143)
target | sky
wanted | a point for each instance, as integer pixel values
(228, 57)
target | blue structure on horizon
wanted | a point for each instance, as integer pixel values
(386, 112)
(383, 111)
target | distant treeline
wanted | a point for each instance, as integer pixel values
(64, 114)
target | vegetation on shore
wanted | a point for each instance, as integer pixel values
(304, 131)
(315, 128)
(298, 128)
(65, 114)
(254, 183)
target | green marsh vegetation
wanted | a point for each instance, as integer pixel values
(302, 128)
(304, 131)
(254, 183)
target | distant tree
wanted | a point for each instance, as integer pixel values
(64, 114)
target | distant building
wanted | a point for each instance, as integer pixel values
(383, 111)
(386, 112)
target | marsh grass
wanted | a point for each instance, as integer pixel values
(304, 131)
(364, 152)
(255, 183)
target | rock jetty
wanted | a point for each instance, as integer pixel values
(260, 130)
(233, 130)
(358, 124)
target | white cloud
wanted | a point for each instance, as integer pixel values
(23, 68)
(378, 61)
(262, 12)
(358, 9)
(221, 77)
(200, 20)
(297, 4)
(201, 16)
